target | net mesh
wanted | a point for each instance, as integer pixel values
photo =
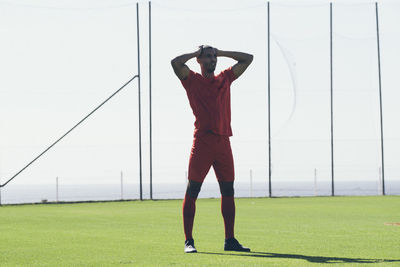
(60, 60)
(59, 63)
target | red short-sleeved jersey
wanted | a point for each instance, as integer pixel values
(210, 100)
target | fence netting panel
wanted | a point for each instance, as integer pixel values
(356, 100)
(217, 24)
(60, 60)
(300, 99)
(58, 63)
(390, 63)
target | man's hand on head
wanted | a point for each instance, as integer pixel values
(199, 52)
(179, 63)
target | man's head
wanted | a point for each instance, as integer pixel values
(207, 59)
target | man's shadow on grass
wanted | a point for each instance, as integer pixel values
(315, 259)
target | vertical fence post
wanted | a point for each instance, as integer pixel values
(331, 70)
(380, 98)
(150, 109)
(122, 185)
(0, 191)
(0, 183)
(0, 186)
(251, 183)
(140, 118)
(380, 188)
(315, 182)
(269, 109)
(56, 189)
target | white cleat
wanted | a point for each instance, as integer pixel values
(189, 246)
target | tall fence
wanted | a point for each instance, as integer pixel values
(323, 83)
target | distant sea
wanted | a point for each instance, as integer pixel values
(18, 194)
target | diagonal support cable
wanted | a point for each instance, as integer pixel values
(70, 130)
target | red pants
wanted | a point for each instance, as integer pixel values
(211, 150)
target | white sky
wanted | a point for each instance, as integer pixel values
(60, 59)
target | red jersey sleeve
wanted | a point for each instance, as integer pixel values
(188, 81)
(229, 74)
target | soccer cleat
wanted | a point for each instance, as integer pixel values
(189, 246)
(231, 244)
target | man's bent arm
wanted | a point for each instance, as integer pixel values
(180, 68)
(243, 60)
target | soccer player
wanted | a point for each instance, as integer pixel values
(209, 98)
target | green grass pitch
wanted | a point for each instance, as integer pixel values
(310, 231)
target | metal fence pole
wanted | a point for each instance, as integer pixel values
(0, 193)
(269, 111)
(251, 183)
(150, 109)
(331, 70)
(380, 98)
(122, 185)
(139, 103)
(380, 189)
(315, 182)
(57, 189)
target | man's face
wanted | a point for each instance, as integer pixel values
(208, 60)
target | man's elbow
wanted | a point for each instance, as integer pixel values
(176, 64)
(247, 61)
(173, 62)
(250, 59)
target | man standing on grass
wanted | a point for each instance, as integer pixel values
(209, 97)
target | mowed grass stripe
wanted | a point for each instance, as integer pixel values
(313, 231)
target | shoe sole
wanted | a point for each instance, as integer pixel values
(238, 250)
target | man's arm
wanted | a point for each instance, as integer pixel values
(180, 68)
(243, 60)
